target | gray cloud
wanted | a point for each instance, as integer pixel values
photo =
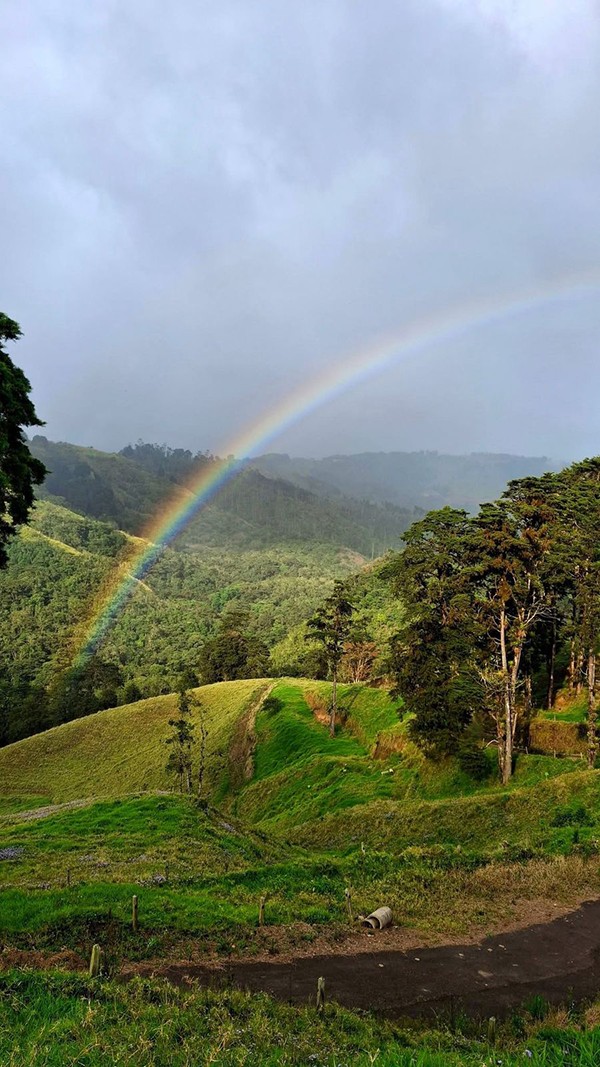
(203, 204)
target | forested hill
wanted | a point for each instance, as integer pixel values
(59, 563)
(256, 562)
(407, 479)
(252, 511)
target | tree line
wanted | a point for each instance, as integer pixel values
(501, 608)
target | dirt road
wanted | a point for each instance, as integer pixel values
(559, 960)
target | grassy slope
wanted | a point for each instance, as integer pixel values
(320, 791)
(442, 859)
(117, 751)
(48, 1020)
(331, 793)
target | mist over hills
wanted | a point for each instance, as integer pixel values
(128, 489)
(269, 545)
(424, 480)
(364, 500)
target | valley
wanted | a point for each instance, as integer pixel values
(244, 882)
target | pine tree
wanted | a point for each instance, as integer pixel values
(330, 626)
(179, 762)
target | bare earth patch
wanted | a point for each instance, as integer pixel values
(395, 976)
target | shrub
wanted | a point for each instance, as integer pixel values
(577, 816)
(473, 761)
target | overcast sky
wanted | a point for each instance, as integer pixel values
(205, 202)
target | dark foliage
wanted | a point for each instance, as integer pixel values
(20, 472)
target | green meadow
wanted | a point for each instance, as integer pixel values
(314, 816)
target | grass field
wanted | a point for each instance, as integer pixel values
(118, 751)
(49, 1020)
(316, 816)
(69, 877)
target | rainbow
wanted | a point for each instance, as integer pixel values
(181, 508)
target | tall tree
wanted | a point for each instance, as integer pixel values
(360, 653)
(510, 587)
(234, 652)
(431, 658)
(179, 762)
(330, 626)
(19, 471)
(578, 490)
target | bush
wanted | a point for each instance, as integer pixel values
(577, 816)
(272, 705)
(473, 761)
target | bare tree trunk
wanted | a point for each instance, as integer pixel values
(500, 742)
(551, 666)
(572, 665)
(508, 737)
(592, 713)
(506, 762)
(333, 701)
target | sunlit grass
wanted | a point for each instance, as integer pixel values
(49, 1020)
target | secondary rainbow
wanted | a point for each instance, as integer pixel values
(174, 516)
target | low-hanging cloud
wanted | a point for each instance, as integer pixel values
(206, 203)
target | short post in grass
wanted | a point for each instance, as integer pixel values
(348, 897)
(95, 961)
(261, 911)
(320, 994)
(492, 1030)
(134, 913)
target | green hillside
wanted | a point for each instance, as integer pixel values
(58, 564)
(288, 813)
(280, 770)
(120, 750)
(249, 512)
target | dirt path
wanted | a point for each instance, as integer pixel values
(48, 809)
(558, 960)
(241, 749)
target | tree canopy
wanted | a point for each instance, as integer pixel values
(19, 471)
(489, 599)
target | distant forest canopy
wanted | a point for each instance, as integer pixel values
(175, 464)
(251, 510)
(230, 598)
(269, 554)
(423, 480)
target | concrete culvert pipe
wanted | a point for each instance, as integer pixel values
(378, 919)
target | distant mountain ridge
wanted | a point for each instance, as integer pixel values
(252, 510)
(424, 480)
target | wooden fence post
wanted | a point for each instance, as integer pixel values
(95, 960)
(348, 903)
(261, 911)
(134, 913)
(320, 994)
